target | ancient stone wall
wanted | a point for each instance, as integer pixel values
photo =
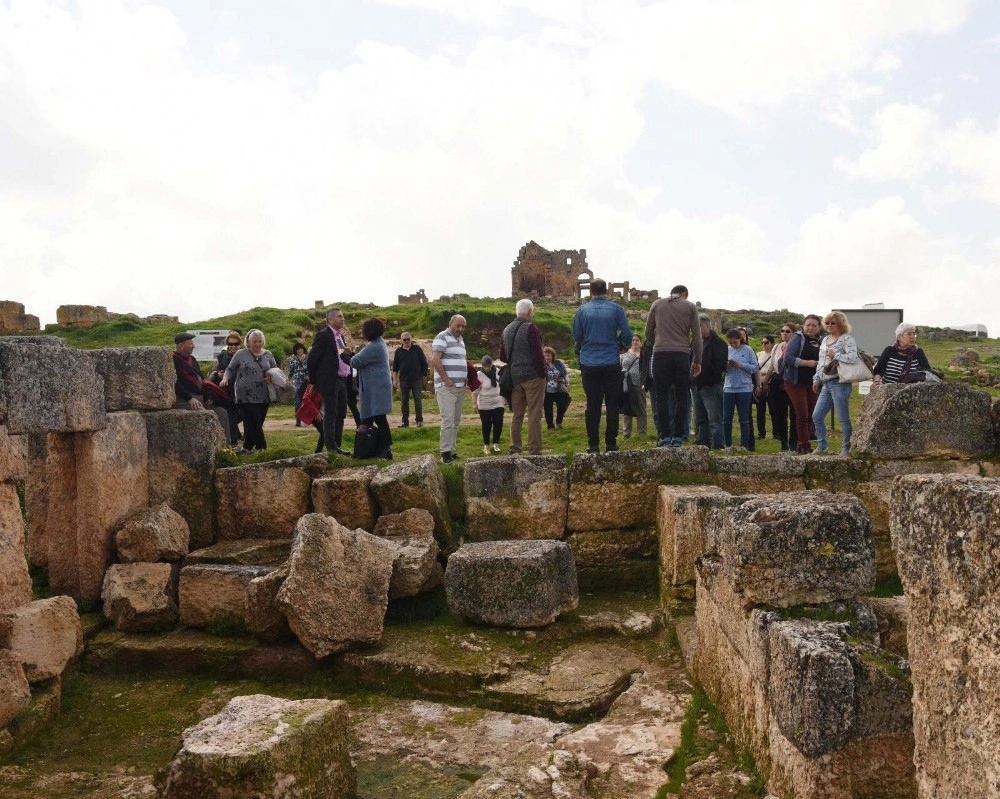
(81, 315)
(549, 273)
(13, 319)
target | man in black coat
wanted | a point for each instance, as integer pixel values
(706, 392)
(410, 367)
(327, 372)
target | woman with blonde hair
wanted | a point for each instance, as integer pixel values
(836, 348)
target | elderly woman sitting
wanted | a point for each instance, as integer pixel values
(898, 362)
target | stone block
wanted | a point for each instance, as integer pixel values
(45, 633)
(764, 474)
(13, 457)
(157, 534)
(59, 533)
(346, 496)
(944, 420)
(805, 547)
(946, 533)
(517, 497)
(182, 449)
(265, 620)
(416, 483)
(135, 378)
(415, 567)
(262, 747)
(36, 499)
(140, 597)
(13, 319)
(260, 501)
(215, 594)
(246, 552)
(15, 583)
(615, 490)
(413, 522)
(892, 616)
(681, 513)
(337, 590)
(512, 583)
(615, 559)
(83, 316)
(48, 389)
(15, 693)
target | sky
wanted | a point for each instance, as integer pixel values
(200, 158)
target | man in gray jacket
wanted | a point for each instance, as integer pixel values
(672, 325)
(521, 349)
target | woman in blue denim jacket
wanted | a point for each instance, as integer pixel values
(737, 390)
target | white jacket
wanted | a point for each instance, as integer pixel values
(488, 394)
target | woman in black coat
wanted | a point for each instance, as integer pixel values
(899, 360)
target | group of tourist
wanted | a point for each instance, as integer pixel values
(684, 367)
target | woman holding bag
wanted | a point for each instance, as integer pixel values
(248, 372)
(633, 397)
(375, 385)
(839, 347)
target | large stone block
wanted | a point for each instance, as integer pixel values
(45, 633)
(59, 533)
(618, 489)
(36, 499)
(13, 456)
(516, 498)
(415, 568)
(346, 496)
(157, 534)
(946, 532)
(215, 594)
(140, 597)
(260, 501)
(265, 621)
(15, 584)
(48, 389)
(182, 449)
(262, 747)
(512, 583)
(15, 693)
(681, 513)
(337, 589)
(764, 474)
(135, 378)
(416, 483)
(805, 547)
(615, 559)
(246, 552)
(946, 420)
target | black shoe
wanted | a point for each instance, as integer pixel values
(386, 455)
(593, 450)
(447, 457)
(420, 423)
(405, 424)
(344, 452)
(611, 448)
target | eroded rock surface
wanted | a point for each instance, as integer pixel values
(140, 597)
(516, 498)
(156, 534)
(45, 634)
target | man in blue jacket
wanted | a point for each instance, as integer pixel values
(602, 333)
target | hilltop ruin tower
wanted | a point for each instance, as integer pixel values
(550, 273)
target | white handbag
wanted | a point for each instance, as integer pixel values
(857, 372)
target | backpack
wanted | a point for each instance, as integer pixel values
(506, 382)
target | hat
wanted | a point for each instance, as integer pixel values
(487, 360)
(182, 337)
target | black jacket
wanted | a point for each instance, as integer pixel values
(714, 354)
(322, 362)
(411, 365)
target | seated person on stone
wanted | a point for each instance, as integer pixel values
(904, 361)
(189, 388)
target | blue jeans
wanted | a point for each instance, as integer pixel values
(838, 395)
(737, 400)
(708, 415)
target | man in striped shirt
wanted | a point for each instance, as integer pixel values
(448, 360)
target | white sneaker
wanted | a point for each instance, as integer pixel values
(486, 449)
(496, 447)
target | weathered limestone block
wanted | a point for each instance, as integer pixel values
(246, 552)
(213, 594)
(804, 547)
(36, 499)
(680, 519)
(413, 522)
(346, 496)
(81, 315)
(608, 559)
(13, 456)
(618, 489)
(946, 532)
(15, 583)
(416, 483)
(945, 420)
(112, 483)
(536, 771)
(765, 474)
(512, 583)
(516, 498)
(135, 378)
(139, 597)
(892, 616)
(61, 514)
(156, 534)
(265, 621)
(13, 319)
(262, 747)
(47, 389)
(415, 567)
(260, 501)
(337, 589)
(45, 633)
(15, 693)
(182, 448)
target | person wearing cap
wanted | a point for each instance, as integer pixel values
(409, 365)
(189, 388)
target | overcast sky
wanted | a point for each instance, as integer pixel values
(197, 158)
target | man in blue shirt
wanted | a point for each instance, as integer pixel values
(602, 333)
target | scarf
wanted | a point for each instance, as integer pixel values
(910, 354)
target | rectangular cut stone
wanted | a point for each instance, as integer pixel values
(15, 584)
(416, 483)
(261, 501)
(346, 496)
(680, 519)
(36, 500)
(215, 593)
(245, 552)
(615, 490)
(946, 533)
(765, 474)
(13, 457)
(135, 378)
(45, 633)
(49, 389)
(516, 498)
(59, 535)
(182, 447)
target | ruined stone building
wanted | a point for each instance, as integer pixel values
(550, 273)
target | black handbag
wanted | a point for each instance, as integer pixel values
(366, 441)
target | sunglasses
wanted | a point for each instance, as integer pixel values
(785, 330)
(231, 345)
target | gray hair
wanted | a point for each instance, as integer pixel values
(703, 317)
(256, 332)
(905, 327)
(332, 313)
(524, 307)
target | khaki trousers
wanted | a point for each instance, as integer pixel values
(528, 397)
